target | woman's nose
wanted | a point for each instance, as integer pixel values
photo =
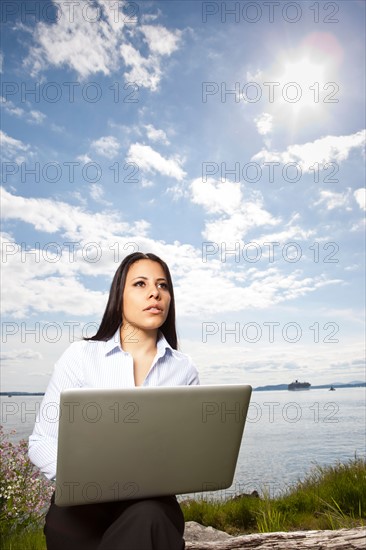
(154, 291)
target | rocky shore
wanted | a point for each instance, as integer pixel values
(198, 537)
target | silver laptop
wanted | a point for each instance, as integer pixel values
(119, 444)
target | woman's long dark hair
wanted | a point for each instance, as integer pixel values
(112, 317)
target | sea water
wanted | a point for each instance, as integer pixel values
(289, 433)
(286, 434)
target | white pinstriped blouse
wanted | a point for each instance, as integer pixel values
(97, 364)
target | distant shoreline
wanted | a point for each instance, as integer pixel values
(321, 387)
(260, 388)
(19, 393)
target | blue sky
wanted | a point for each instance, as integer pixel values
(226, 137)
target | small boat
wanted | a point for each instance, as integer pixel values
(295, 386)
(331, 388)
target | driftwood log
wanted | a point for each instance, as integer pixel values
(342, 539)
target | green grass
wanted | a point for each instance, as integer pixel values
(233, 516)
(24, 540)
(331, 497)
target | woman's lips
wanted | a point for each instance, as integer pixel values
(153, 309)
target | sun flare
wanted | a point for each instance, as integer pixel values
(301, 83)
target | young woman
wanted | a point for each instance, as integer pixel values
(136, 345)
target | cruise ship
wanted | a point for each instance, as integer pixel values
(298, 386)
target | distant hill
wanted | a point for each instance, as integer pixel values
(270, 388)
(17, 393)
(276, 387)
(323, 386)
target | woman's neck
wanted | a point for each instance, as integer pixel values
(136, 341)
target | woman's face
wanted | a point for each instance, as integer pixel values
(146, 297)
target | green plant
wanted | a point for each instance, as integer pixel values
(330, 497)
(24, 494)
(25, 539)
(336, 517)
(269, 517)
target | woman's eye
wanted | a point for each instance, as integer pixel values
(159, 285)
(163, 285)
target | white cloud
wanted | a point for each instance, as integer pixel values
(36, 117)
(49, 294)
(146, 183)
(264, 123)
(333, 200)
(233, 229)
(156, 135)
(359, 226)
(46, 277)
(52, 283)
(80, 198)
(145, 71)
(84, 159)
(322, 150)
(215, 291)
(360, 196)
(106, 146)
(19, 355)
(58, 129)
(10, 108)
(148, 17)
(289, 233)
(16, 111)
(255, 76)
(12, 148)
(216, 197)
(160, 40)
(52, 216)
(97, 194)
(237, 213)
(69, 42)
(353, 267)
(98, 29)
(150, 160)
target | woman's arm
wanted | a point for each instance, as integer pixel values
(43, 441)
(193, 377)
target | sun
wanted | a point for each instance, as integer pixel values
(301, 82)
